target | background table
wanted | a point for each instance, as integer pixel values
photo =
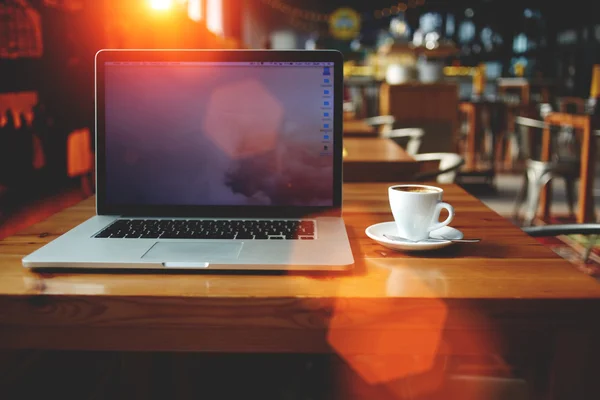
(379, 160)
(359, 128)
(507, 295)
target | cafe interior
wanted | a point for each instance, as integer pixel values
(496, 102)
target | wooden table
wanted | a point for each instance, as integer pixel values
(477, 163)
(479, 114)
(474, 135)
(507, 298)
(359, 128)
(379, 160)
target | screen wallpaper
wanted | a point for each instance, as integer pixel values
(219, 134)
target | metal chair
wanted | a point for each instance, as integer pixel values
(408, 138)
(448, 168)
(591, 229)
(538, 174)
(564, 164)
(383, 123)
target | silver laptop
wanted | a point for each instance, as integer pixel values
(210, 159)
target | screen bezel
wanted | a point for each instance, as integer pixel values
(198, 211)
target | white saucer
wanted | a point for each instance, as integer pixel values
(377, 231)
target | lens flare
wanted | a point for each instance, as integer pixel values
(161, 4)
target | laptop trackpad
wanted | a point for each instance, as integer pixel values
(193, 252)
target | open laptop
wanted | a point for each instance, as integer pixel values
(213, 159)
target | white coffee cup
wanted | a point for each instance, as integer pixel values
(416, 210)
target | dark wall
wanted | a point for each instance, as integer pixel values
(67, 67)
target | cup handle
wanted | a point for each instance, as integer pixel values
(438, 209)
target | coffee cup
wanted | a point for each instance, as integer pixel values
(416, 210)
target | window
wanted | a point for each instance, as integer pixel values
(520, 43)
(430, 22)
(214, 16)
(466, 32)
(20, 30)
(450, 25)
(195, 10)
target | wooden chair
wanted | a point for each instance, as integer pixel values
(537, 175)
(516, 94)
(563, 155)
(431, 107)
(470, 132)
(80, 159)
(571, 105)
(586, 140)
(514, 90)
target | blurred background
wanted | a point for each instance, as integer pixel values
(471, 85)
(47, 52)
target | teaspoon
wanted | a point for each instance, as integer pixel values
(399, 238)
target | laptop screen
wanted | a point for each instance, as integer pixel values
(219, 133)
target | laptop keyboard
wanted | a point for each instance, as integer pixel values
(210, 229)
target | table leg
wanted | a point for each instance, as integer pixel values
(586, 183)
(471, 150)
(470, 156)
(546, 195)
(508, 135)
(530, 142)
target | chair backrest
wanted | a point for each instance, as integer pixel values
(431, 107)
(383, 123)
(571, 104)
(447, 170)
(564, 141)
(564, 128)
(408, 138)
(514, 90)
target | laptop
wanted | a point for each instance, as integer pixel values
(213, 160)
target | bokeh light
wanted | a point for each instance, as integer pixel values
(161, 5)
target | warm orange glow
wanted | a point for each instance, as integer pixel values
(389, 343)
(161, 4)
(79, 152)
